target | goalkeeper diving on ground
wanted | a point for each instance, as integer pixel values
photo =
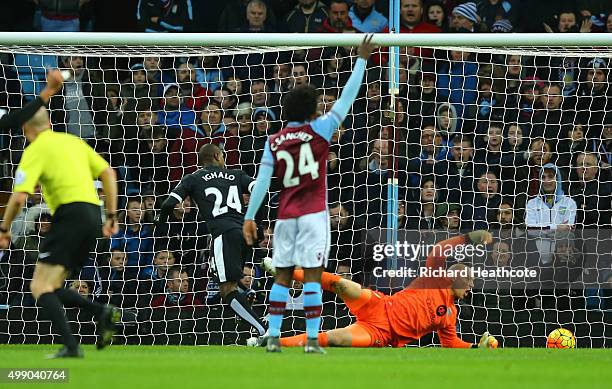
(425, 306)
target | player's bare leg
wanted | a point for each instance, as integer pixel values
(232, 296)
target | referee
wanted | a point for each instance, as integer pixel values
(66, 168)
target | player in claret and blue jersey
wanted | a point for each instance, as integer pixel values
(297, 155)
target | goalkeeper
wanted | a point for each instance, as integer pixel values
(426, 305)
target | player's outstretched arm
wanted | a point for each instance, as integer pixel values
(350, 90)
(262, 184)
(328, 123)
(17, 118)
(178, 194)
(436, 258)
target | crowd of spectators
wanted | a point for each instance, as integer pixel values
(506, 142)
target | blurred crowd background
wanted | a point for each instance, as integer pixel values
(507, 142)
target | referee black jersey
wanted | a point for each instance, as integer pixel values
(218, 194)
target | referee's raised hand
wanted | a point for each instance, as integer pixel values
(55, 83)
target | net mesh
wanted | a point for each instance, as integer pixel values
(466, 139)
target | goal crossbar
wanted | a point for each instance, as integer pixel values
(284, 39)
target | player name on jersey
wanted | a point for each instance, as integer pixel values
(300, 135)
(219, 174)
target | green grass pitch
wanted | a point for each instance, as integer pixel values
(241, 367)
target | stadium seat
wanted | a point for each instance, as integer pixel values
(31, 70)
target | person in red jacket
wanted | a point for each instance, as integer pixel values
(411, 21)
(426, 305)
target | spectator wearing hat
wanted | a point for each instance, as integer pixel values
(448, 216)
(502, 26)
(493, 11)
(594, 95)
(365, 17)
(465, 18)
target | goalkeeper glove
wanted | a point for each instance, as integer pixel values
(487, 341)
(480, 236)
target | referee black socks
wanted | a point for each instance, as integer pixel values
(51, 303)
(71, 298)
(237, 301)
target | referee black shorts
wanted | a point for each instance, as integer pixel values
(229, 252)
(74, 230)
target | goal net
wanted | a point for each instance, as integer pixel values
(513, 140)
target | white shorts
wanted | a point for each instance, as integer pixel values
(303, 241)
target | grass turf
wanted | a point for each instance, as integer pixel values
(241, 367)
